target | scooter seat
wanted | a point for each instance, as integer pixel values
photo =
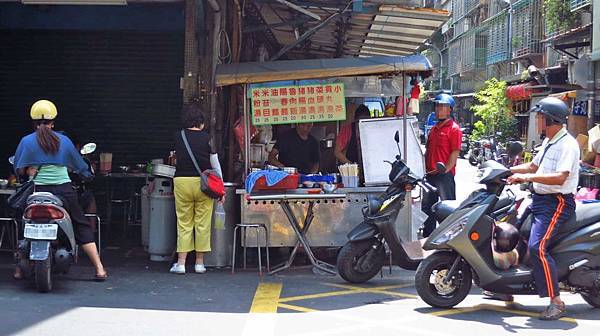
(443, 209)
(585, 214)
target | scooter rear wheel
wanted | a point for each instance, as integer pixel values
(592, 300)
(431, 287)
(350, 257)
(43, 275)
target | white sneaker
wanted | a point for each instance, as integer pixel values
(199, 268)
(177, 269)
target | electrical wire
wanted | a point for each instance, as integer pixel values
(226, 58)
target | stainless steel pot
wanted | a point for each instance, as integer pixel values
(163, 170)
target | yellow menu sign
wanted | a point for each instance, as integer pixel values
(298, 104)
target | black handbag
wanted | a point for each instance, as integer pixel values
(18, 200)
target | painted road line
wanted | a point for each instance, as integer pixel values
(266, 298)
(317, 296)
(378, 290)
(522, 312)
(297, 308)
(490, 307)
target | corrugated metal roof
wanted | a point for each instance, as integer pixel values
(381, 29)
(258, 72)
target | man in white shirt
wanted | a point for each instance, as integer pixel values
(555, 173)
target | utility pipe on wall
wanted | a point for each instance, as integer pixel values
(213, 73)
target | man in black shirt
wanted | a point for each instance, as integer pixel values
(297, 148)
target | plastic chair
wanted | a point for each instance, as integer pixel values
(257, 227)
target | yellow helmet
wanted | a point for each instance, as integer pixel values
(43, 110)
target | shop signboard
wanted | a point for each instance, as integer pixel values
(596, 32)
(298, 103)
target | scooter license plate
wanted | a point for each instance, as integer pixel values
(41, 231)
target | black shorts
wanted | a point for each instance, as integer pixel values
(84, 230)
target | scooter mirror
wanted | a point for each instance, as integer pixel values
(440, 167)
(397, 137)
(88, 148)
(11, 160)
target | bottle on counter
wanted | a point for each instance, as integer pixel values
(172, 159)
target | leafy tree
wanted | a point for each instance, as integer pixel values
(493, 112)
(558, 15)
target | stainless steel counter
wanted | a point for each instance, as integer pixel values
(334, 218)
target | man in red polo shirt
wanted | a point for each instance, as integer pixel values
(443, 145)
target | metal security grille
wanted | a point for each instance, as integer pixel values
(577, 4)
(473, 49)
(454, 63)
(460, 8)
(497, 48)
(119, 89)
(527, 28)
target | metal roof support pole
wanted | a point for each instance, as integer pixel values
(305, 36)
(213, 73)
(299, 9)
(246, 119)
(404, 120)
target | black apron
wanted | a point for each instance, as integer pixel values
(352, 149)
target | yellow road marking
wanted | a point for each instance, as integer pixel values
(454, 311)
(523, 312)
(379, 290)
(350, 290)
(297, 308)
(266, 298)
(316, 296)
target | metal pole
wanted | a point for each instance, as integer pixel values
(246, 133)
(304, 36)
(404, 126)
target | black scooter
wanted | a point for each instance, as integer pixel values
(462, 246)
(362, 257)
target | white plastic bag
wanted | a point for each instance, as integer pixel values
(219, 216)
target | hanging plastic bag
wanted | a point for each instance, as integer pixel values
(219, 216)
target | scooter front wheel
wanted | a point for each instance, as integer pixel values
(358, 262)
(43, 275)
(433, 285)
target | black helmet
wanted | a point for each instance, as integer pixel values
(553, 108)
(506, 237)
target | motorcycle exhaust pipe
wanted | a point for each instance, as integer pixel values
(62, 260)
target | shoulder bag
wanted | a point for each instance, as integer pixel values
(18, 200)
(210, 182)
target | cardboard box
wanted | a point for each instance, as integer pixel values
(586, 155)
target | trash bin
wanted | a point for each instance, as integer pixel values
(162, 227)
(221, 240)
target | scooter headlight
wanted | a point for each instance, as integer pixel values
(451, 231)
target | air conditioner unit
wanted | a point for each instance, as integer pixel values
(74, 2)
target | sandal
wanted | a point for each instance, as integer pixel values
(553, 312)
(101, 277)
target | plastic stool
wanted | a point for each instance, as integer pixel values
(98, 223)
(13, 234)
(243, 228)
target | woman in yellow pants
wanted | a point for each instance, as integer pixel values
(194, 208)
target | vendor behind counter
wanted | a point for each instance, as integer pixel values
(296, 147)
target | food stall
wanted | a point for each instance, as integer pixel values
(338, 80)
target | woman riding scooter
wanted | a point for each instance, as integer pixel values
(46, 156)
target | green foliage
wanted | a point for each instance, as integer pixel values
(492, 110)
(558, 16)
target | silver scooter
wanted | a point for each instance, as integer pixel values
(49, 245)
